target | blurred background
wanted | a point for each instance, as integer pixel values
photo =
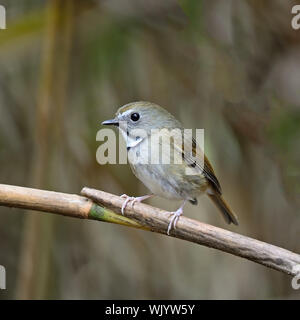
(230, 67)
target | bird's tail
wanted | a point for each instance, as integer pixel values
(228, 215)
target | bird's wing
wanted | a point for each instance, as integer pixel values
(188, 151)
(197, 160)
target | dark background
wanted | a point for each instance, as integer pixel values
(230, 67)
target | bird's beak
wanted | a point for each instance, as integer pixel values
(112, 122)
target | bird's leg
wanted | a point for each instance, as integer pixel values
(133, 199)
(175, 216)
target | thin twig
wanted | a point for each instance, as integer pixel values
(147, 217)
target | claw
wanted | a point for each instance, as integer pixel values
(175, 218)
(133, 199)
(127, 199)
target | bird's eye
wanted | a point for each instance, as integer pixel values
(135, 117)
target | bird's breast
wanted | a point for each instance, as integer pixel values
(165, 180)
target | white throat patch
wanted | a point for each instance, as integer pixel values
(131, 142)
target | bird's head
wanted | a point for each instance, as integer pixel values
(143, 115)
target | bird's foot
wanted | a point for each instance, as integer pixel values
(133, 199)
(175, 216)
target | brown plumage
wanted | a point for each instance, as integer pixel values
(215, 194)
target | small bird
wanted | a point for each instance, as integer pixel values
(167, 180)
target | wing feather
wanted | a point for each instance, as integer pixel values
(203, 167)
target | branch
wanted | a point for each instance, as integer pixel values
(147, 217)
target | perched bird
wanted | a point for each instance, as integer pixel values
(183, 180)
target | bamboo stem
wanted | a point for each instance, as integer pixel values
(146, 217)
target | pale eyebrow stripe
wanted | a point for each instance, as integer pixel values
(126, 112)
